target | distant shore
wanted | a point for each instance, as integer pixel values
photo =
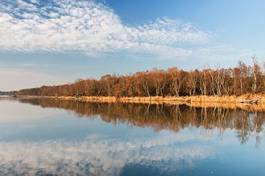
(254, 102)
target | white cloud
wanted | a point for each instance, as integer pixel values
(89, 27)
(222, 55)
(98, 155)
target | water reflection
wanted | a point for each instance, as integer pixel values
(98, 155)
(119, 139)
(171, 117)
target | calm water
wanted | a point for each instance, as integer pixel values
(47, 137)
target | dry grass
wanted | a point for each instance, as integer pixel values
(231, 102)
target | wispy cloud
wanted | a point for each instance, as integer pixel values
(89, 27)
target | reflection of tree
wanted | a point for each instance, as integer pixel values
(172, 117)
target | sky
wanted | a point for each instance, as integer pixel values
(48, 42)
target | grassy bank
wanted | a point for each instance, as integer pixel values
(248, 102)
(248, 99)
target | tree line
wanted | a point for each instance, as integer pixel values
(238, 80)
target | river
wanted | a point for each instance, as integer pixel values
(51, 137)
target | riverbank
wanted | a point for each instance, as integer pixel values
(248, 102)
(249, 99)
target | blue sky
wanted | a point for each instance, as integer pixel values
(54, 42)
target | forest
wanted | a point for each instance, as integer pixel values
(239, 80)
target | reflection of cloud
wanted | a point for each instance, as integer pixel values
(14, 112)
(90, 27)
(97, 155)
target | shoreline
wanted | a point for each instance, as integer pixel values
(242, 99)
(250, 102)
